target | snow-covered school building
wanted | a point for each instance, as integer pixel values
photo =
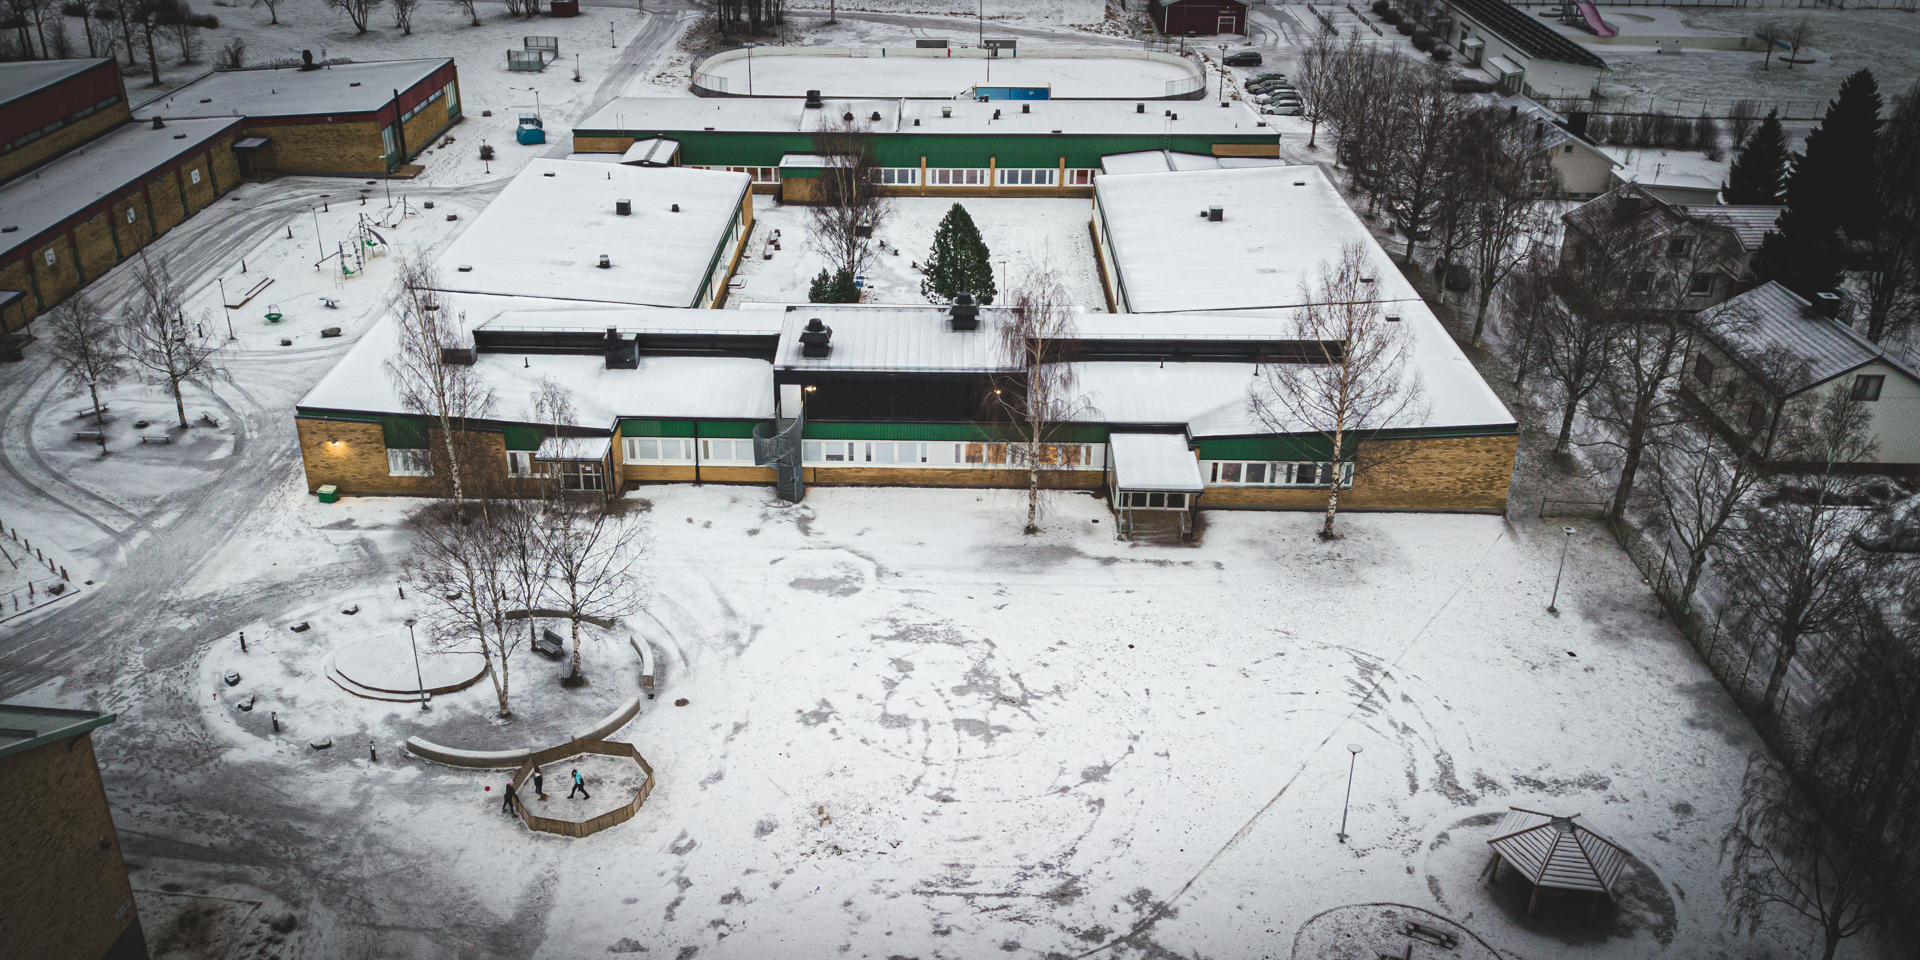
(345, 119)
(926, 148)
(82, 188)
(896, 394)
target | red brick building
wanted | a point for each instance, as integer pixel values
(1198, 17)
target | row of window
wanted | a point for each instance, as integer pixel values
(758, 174)
(1272, 473)
(942, 176)
(422, 105)
(1866, 386)
(1699, 285)
(1139, 500)
(674, 450)
(78, 115)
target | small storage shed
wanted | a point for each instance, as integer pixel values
(1557, 853)
(1198, 17)
(1155, 479)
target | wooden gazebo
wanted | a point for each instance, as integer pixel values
(1556, 852)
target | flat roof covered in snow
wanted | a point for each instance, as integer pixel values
(1162, 161)
(544, 234)
(290, 91)
(1281, 226)
(765, 115)
(41, 200)
(26, 78)
(893, 339)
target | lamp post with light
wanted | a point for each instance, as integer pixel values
(417, 678)
(1553, 604)
(750, 46)
(1354, 750)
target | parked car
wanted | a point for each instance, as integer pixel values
(1269, 76)
(1262, 86)
(1243, 58)
(1282, 109)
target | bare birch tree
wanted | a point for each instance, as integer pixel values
(1701, 480)
(1038, 397)
(460, 562)
(1866, 746)
(358, 11)
(1357, 382)
(1796, 576)
(1498, 155)
(1784, 855)
(430, 381)
(466, 6)
(86, 347)
(162, 340)
(593, 552)
(848, 208)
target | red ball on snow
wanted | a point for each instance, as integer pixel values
(489, 789)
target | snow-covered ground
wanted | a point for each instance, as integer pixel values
(947, 77)
(1021, 234)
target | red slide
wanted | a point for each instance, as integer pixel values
(1594, 23)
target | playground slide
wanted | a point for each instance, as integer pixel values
(1594, 23)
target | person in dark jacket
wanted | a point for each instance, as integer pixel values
(539, 784)
(506, 800)
(579, 786)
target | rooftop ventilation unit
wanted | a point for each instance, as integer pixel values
(946, 111)
(813, 100)
(1026, 108)
(623, 208)
(621, 354)
(965, 312)
(876, 116)
(457, 356)
(1828, 304)
(1216, 214)
(674, 209)
(816, 339)
(158, 124)
(1139, 108)
(606, 262)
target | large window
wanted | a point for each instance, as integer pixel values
(1867, 386)
(956, 176)
(581, 475)
(520, 463)
(1080, 178)
(1703, 370)
(759, 174)
(1274, 473)
(726, 451)
(409, 463)
(897, 176)
(657, 450)
(1143, 500)
(1028, 176)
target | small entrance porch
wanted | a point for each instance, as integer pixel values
(1155, 481)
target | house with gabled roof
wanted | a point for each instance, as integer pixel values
(1698, 255)
(1768, 355)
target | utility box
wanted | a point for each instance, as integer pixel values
(329, 493)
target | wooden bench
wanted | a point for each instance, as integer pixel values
(91, 436)
(207, 418)
(163, 438)
(550, 645)
(92, 413)
(1434, 935)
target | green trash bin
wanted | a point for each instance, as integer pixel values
(329, 494)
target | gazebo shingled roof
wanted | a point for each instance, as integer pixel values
(1558, 852)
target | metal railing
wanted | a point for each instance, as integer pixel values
(777, 445)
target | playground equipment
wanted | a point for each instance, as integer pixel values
(1582, 13)
(273, 314)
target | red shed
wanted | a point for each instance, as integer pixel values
(1182, 17)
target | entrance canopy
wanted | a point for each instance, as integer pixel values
(574, 448)
(1154, 461)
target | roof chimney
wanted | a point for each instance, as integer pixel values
(816, 339)
(620, 354)
(965, 312)
(1829, 304)
(1216, 214)
(606, 262)
(1139, 108)
(623, 208)
(813, 99)
(1026, 108)
(158, 124)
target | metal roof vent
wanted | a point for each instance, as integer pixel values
(158, 124)
(916, 121)
(1139, 108)
(813, 99)
(1026, 108)
(876, 116)
(623, 208)
(848, 116)
(674, 209)
(606, 262)
(946, 111)
(1216, 214)
(816, 339)
(965, 312)
(1393, 318)
(996, 114)
(621, 354)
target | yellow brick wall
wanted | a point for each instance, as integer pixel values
(602, 144)
(58, 279)
(353, 457)
(14, 277)
(95, 239)
(226, 166)
(683, 473)
(135, 233)
(1465, 474)
(1247, 149)
(14, 161)
(202, 193)
(321, 147)
(62, 849)
(424, 125)
(163, 193)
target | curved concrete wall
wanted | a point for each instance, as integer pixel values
(483, 759)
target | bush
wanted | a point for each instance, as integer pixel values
(1423, 41)
(486, 151)
(1443, 54)
(1405, 28)
(830, 287)
(1381, 8)
(1389, 16)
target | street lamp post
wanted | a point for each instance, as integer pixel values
(417, 678)
(1354, 750)
(750, 46)
(231, 336)
(611, 41)
(1223, 73)
(317, 244)
(981, 18)
(1552, 605)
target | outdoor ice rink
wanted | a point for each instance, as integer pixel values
(932, 78)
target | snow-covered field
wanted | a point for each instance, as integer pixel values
(1021, 234)
(947, 77)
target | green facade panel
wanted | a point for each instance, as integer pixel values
(523, 437)
(1080, 151)
(404, 433)
(656, 428)
(724, 429)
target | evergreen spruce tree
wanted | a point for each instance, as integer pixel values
(959, 262)
(833, 287)
(1840, 154)
(1759, 174)
(1831, 187)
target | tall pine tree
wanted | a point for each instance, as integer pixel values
(1831, 187)
(959, 262)
(1759, 175)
